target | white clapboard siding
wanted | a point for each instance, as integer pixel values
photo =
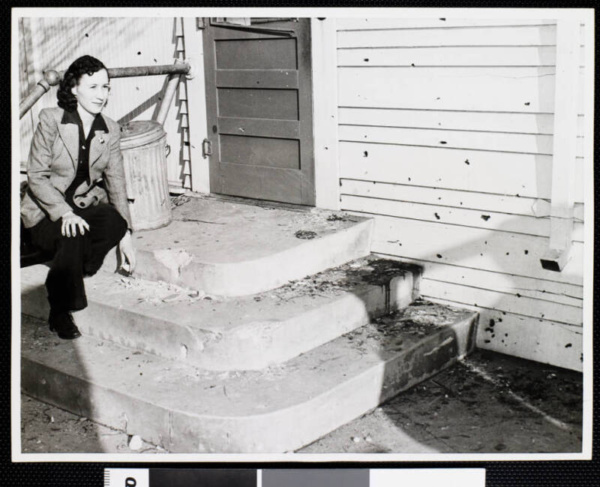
(434, 23)
(534, 35)
(449, 56)
(453, 199)
(487, 172)
(543, 290)
(446, 137)
(476, 248)
(508, 302)
(517, 89)
(517, 123)
(490, 220)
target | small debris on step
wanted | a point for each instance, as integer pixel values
(135, 443)
(305, 234)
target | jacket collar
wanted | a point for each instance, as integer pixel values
(98, 125)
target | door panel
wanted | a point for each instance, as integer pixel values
(259, 105)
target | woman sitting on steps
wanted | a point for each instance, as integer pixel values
(73, 148)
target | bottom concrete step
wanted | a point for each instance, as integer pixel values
(186, 409)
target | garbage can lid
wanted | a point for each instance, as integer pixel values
(140, 132)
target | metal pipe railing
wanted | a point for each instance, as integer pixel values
(52, 78)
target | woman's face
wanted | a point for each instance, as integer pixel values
(92, 91)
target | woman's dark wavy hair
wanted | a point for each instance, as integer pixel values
(83, 65)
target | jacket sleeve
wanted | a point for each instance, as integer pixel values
(114, 176)
(39, 168)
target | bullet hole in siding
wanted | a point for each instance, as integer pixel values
(438, 98)
(139, 53)
(86, 34)
(365, 154)
(485, 242)
(527, 103)
(581, 358)
(568, 345)
(467, 162)
(518, 195)
(493, 336)
(443, 18)
(326, 148)
(258, 82)
(489, 330)
(526, 252)
(439, 256)
(461, 202)
(439, 197)
(409, 179)
(507, 253)
(137, 88)
(154, 59)
(412, 64)
(518, 295)
(400, 245)
(486, 341)
(366, 60)
(504, 313)
(499, 320)
(443, 142)
(481, 255)
(437, 216)
(492, 323)
(485, 217)
(506, 334)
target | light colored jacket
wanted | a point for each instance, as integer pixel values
(53, 162)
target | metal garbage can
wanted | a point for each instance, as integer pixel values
(144, 149)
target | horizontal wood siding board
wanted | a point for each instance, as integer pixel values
(521, 90)
(510, 303)
(544, 35)
(454, 139)
(474, 248)
(488, 220)
(515, 123)
(450, 56)
(487, 172)
(276, 79)
(543, 290)
(452, 198)
(433, 23)
(288, 129)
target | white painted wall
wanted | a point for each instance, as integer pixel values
(446, 136)
(54, 42)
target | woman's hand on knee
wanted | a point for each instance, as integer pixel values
(127, 253)
(71, 223)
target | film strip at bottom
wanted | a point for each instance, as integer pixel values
(301, 477)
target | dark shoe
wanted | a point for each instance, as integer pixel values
(64, 325)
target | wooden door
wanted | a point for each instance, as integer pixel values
(259, 109)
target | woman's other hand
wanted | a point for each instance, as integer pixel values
(127, 253)
(70, 223)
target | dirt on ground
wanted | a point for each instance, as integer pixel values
(488, 403)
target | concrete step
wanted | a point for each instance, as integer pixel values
(186, 409)
(245, 333)
(234, 248)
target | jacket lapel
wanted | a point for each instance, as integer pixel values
(69, 133)
(98, 146)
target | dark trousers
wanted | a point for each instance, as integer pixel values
(79, 256)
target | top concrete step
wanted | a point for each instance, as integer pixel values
(237, 248)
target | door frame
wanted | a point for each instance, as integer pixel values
(324, 107)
